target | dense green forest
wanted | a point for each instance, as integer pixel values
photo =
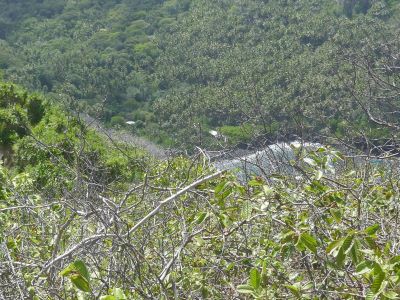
(180, 68)
(97, 52)
(87, 215)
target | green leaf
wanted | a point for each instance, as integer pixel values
(220, 187)
(309, 241)
(348, 241)
(255, 278)
(80, 282)
(294, 290)
(370, 296)
(255, 182)
(224, 220)
(336, 214)
(371, 230)
(390, 295)
(202, 216)
(377, 268)
(264, 274)
(245, 289)
(377, 283)
(78, 273)
(247, 209)
(370, 242)
(333, 247)
(363, 267)
(355, 251)
(395, 260)
(341, 256)
(108, 297)
(77, 266)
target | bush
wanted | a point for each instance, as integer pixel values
(117, 121)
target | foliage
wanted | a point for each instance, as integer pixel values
(83, 218)
(89, 50)
(17, 113)
(78, 274)
(184, 62)
(261, 63)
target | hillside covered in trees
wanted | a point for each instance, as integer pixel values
(276, 67)
(312, 85)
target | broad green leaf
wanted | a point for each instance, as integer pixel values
(341, 256)
(377, 283)
(370, 296)
(255, 182)
(224, 220)
(371, 230)
(363, 267)
(294, 290)
(390, 295)
(77, 266)
(377, 268)
(309, 241)
(355, 251)
(220, 187)
(371, 242)
(245, 289)
(336, 214)
(334, 247)
(347, 243)
(255, 278)
(78, 274)
(80, 282)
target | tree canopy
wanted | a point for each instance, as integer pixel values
(173, 64)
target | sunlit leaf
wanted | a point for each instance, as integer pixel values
(80, 282)
(377, 283)
(391, 295)
(108, 297)
(245, 289)
(255, 278)
(363, 267)
(294, 290)
(372, 229)
(334, 247)
(78, 273)
(347, 243)
(309, 241)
